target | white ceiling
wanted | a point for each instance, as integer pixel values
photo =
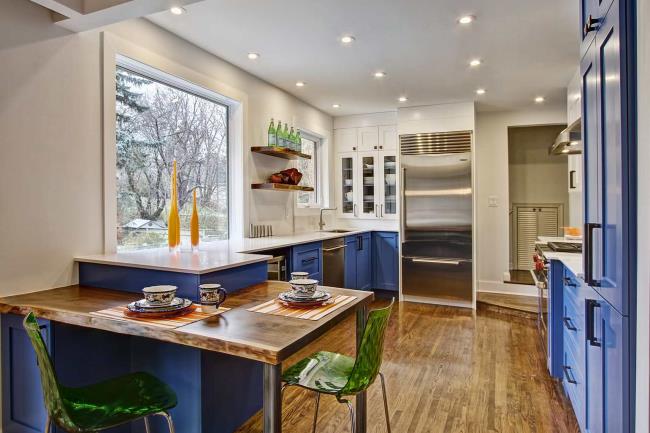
(529, 48)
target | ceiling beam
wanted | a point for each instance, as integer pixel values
(82, 15)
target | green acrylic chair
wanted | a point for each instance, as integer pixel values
(103, 405)
(343, 376)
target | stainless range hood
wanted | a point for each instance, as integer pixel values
(569, 141)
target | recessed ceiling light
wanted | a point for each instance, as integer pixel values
(300, 84)
(347, 39)
(380, 74)
(466, 19)
(475, 62)
(539, 99)
(177, 10)
(402, 99)
(336, 105)
(253, 56)
(480, 91)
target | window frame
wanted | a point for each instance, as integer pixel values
(318, 173)
(183, 85)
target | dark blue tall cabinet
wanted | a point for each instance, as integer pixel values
(609, 140)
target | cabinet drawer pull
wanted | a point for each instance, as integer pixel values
(592, 338)
(588, 254)
(309, 260)
(568, 374)
(572, 179)
(569, 324)
(327, 250)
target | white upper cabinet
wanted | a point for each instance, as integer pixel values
(367, 182)
(346, 139)
(368, 138)
(388, 137)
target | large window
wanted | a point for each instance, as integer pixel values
(161, 120)
(310, 172)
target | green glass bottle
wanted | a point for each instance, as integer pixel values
(298, 140)
(278, 134)
(272, 134)
(285, 136)
(292, 139)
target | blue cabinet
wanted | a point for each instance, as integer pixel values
(351, 247)
(364, 262)
(607, 347)
(308, 258)
(609, 160)
(23, 409)
(358, 262)
(385, 261)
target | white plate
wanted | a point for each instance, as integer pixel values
(143, 304)
(319, 295)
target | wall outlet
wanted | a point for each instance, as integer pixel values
(493, 201)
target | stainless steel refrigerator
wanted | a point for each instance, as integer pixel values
(436, 220)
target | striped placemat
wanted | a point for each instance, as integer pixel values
(168, 323)
(277, 308)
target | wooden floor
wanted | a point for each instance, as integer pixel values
(447, 370)
(512, 302)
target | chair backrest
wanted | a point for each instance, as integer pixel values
(51, 389)
(369, 356)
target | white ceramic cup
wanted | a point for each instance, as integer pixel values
(159, 295)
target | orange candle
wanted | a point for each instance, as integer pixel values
(194, 224)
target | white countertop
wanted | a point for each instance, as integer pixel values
(212, 256)
(573, 261)
(547, 239)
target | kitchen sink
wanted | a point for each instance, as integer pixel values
(337, 231)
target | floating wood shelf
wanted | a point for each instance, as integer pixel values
(280, 152)
(280, 187)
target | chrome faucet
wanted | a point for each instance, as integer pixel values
(321, 223)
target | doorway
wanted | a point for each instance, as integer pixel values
(538, 193)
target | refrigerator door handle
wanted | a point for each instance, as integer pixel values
(403, 207)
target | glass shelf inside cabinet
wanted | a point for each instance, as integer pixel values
(347, 185)
(368, 169)
(390, 185)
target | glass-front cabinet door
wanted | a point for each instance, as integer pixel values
(347, 166)
(368, 197)
(388, 185)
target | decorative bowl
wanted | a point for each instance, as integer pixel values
(304, 288)
(159, 295)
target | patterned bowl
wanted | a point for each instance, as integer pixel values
(159, 295)
(304, 288)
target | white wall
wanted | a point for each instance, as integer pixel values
(492, 180)
(643, 216)
(50, 121)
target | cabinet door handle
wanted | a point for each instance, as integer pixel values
(591, 322)
(354, 148)
(568, 374)
(569, 282)
(569, 324)
(354, 209)
(381, 210)
(590, 25)
(375, 147)
(572, 179)
(589, 259)
(359, 243)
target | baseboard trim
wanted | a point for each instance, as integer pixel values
(506, 288)
(434, 301)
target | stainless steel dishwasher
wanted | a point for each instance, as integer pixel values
(334, 262)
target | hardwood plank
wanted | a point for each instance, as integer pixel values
(448, 371)
(261, 337)
(280, 152)
(514, 302)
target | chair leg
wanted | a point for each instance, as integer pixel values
(147, 428)
(48, 424)
(352, 417)
(383, 390)
(313, 430)
(170, 423)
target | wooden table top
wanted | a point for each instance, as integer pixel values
(261, 337)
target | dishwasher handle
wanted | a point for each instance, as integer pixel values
(327, 250)
(450, 262)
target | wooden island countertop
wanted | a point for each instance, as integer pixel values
(261, 337)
